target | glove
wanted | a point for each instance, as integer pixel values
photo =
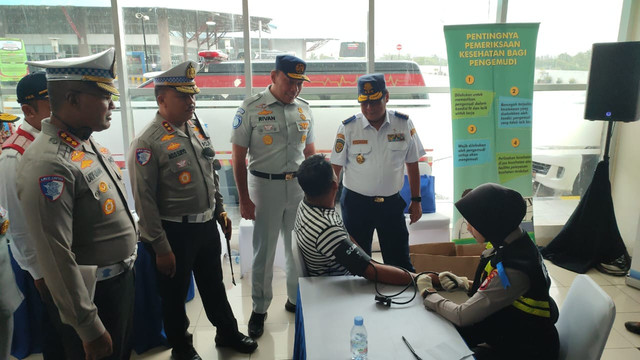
(424, 283)
(450, 281)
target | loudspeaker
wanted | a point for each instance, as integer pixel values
(614, 82)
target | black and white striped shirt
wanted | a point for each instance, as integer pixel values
(320, 232)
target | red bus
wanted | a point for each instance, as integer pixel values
(322, 73)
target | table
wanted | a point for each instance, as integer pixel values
(147, 318)
(324, 318)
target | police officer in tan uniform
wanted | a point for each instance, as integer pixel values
(178, 200)
(275, 127)
(33, 98)
(73, 192)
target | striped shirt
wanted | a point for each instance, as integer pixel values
(320, 232)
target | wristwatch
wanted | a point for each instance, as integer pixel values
(416, 199)
(428, 291)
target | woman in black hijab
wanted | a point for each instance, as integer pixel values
(509, 314)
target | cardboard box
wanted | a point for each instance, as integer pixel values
(461, 260)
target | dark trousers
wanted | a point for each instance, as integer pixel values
(114, 299)
(196, 248)
(361, 215)
(52, 326)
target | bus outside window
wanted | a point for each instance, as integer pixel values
(12, 60)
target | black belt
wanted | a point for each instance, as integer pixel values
(283, 176)
(376, 199)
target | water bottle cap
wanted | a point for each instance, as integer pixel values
(358, 320)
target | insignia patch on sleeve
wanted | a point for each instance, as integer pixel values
(339, 145)
(487, 281)
(143, 156)
(52, 186)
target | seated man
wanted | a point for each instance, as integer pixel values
(322, 238)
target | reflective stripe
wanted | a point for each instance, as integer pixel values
(529, 306)
(488, 269)
(534, 303)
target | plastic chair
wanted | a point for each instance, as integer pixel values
(585, 320)
(297, 256)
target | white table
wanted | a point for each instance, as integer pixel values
(329, 305)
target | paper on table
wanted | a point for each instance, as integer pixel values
(90, 278)
(428, 351)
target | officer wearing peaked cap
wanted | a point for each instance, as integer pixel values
(172, 166)
(373, 148)
(73, 192)
(33, 97)
(275, 127)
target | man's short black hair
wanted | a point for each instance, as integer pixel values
(315, 175)
(160, 90)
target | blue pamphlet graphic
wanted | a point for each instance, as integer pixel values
(472, 152)
(514, 112)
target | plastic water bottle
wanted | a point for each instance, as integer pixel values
(359, 347)
(235, 255)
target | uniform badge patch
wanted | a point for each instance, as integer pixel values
(77, 155)
(52, 186)
(237, 121)
(395, 137)
(303, 125)
(184, 177)
(4, 227)
(103, 186)
(267, 140)
(360, 142)
(303, 139)
(104, 151)
(109, 207)
(167, 137)
(303, 117)
(173, 146)
(182, 163)
(143, 156)
(86, 163)
(487, 281)
(339, 145)
(413, 132)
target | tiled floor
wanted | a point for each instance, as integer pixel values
(277, 341)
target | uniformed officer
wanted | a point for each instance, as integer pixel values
(276, 128)
(33, 98)
(73, 192)
(373, 148)
(10, 296)
(178, 200)
(509, 306)
(6, 126)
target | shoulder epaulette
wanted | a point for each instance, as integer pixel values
(303, 100)
(253, 98)
(402, 116)
(345, 122)
(68, 139)
(168, 127)
(18, 141)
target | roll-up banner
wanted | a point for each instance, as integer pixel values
(491, 71)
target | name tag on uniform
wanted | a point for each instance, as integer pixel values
(360, 142)
(395, 137)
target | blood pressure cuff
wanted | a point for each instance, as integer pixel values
(352, 257)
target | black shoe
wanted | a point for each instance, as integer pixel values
(239, 342)
(256, 324)
(633, 326)
(290, 307)
(185, 353)
(617, 267)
